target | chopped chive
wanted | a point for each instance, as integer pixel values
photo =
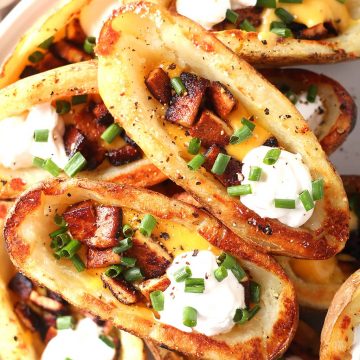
(291, 96)
(240, 135)
(239, 273)
(157, 300)
(255, 173)
(133, 274)
(247, 26)
(182, 274)
(46, 43)
(220, 164)
(230, 263)
(79, 99)
(64, 322)
(283, 32)
(60, 231)
(341, 1)
(128, 231)
(38, 162)
(78, 263)
(317, 189)
(178, 86)
(124, 245)
(51, 167)
(196, 162)
(194, 146)
(70, 249)
(59, 241)
(220, 273)
(266, 3)
(291, 1)
(62, 107)
(107, 340)
(253, 311)
(272, 156)
(241, 316)
(41, 135)
(36, 56)
(114, 271)
(312, 93)
(128, 261)
(277, 25)
(250, 124)
(189, 316)
(194, 285)
(111, 133)
(284, 15)
(232, 16)
(89, 44)
(147, 225)
(59, 220)
(239, 190)
(284, 203)
(306, 200)
(254, 292)
(75, 164)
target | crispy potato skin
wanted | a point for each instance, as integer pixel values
(209, 58)
(335, 130)
(270, 337)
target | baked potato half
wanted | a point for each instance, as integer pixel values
(179, 227)
(162, 45)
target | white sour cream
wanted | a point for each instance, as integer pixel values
(355, 351)
(17, 145)
(216, 307)
(79, 344)
(94, 15)
(313, 113)
(208, 13)
(286, 179)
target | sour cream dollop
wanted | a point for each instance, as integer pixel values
(81, 343)
(216, 306)
(208, 13)
(17, 145)
(355, 351)
(286, 179)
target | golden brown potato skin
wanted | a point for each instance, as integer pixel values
(271, 332)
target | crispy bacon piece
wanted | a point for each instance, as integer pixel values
(272, 142)
(232, 175)
(211, 130)
(184, 108)
(45, 302)
(75, 33)
(21, 285)
(123, 291)
(74, 141)
(50, 61)
(102, 115)
(28, 71)
(86, 122)
(148, 286)
(30, 319)
(253, 14)
(124, 155)
(69, 52)
(222, 99)
(158, 83)
(101, 258)
(318, 32)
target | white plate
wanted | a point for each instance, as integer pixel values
(346, 159)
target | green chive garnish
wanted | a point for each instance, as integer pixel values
(36, 56)
(283, 32)
(59, 220)
(277, 25)
(194, 285)
(182, 274)
(147, 225)
(128, 231)
(272, 156)
(291, 96)
(312, 93)
(38, 162)
(107, 340)
(51, 167)
(291, 1)
(248, 123)
(178, 86)
(64, 322)
(75, 164)
(243, 133)
(253, 311)
(318, 189)
(89, 44)
(78, 263)
(70, 249)
(41, 135)
(255, 173)
(284, 203)
(60, 231)
(133, 274)
(189, 316)
(128, 262)
(266, 3)
(220, 164)
(230, 263)
(306, 200)
(60, 240)
(62, 107)
(254, 292)
(157, 300)
(124, 245)
(232, 16)
(79, 99)
(196, 162)
(239, 190)
(194, 146)
(284, 15)
(241, 316)
(111, 133)
(247, 26)
(114, 271)
(221, 273)
(46, 43)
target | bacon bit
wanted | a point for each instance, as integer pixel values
(45, 302)
(148, 286)
(75, 33)
(123, 291)
(124, 155)
(158, 83)
(21, 285)
(318, 32)
(28, 317)
(272, 142)
(74, 141)
(222, 99)
(50, 61)
(102, 115)
(17, 184)
(101, 258)
(51, 333)
(85, 121)
(69, 52)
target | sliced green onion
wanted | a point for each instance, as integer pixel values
(182, 274)
(36, 56)
(78, 263)
(107, 340)
(147, 225)
(41, 135)
(306, 200)
(317, 189)
(312, 93)
(284, 203)
(232, 16)
(272, 156)
(291, 1)
(266, 3)
(255, 173)
(114, 271)
(189, 316)
(194, 285)
(38, 162)
(283, 32)
(51, 167)
(253, 311)
(60, 231)
(59, 220)
(124, 245)
(254, 292)
(79, 99)
(241, 316)
(128, 231)
(64, 322)
(239, 273)
(284, 15)
(277, 25)
(221, 273)
(62, 107)
(194, 146)
(133, 274)
(70, 249)
(291, 96)
(46, 43)
(341, 1)
(178, 86)
(240, 135)
(247, 26)
(60, 241)
(250, 124)
(230, 263)
(89, 44)
(111, 133)
(75, 164)
(128, 261)
(157, 300)
(239, 190)
(196, 162)
(220, 164)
